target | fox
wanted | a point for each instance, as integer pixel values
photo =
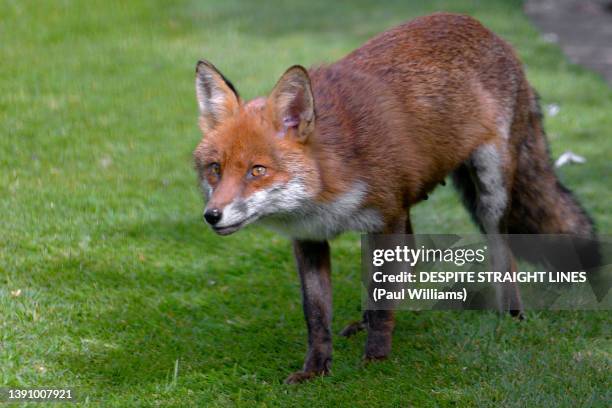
(353, 145)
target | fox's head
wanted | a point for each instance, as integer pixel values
(254, 159)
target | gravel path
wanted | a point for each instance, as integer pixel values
(583, 29)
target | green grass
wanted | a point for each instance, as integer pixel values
(129, 298)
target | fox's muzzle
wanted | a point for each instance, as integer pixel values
(230, 218)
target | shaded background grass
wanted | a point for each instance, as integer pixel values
(125, 295)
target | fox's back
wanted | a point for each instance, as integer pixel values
(443, 47)
(418, 99)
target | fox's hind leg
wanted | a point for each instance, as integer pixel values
(485, 181)
(353, 328)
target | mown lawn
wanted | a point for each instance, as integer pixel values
(110, 282)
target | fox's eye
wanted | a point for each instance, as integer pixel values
(258, 171)
(215, 169)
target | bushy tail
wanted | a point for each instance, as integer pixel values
(542, 205)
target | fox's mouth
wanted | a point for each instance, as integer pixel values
(230, 229)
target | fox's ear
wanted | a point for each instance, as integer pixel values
(293, 103)
(217, 97)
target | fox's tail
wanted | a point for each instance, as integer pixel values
(542, 205)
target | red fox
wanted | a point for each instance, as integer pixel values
(354, 144)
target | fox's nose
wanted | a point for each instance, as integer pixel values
(212, 216)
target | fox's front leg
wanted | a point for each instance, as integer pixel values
(314, 267)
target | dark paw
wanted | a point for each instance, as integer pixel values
(377, 350)
(378, 345)
(301, 376)
(352, 329)
(517, 314)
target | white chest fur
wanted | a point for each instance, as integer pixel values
(319, 221)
